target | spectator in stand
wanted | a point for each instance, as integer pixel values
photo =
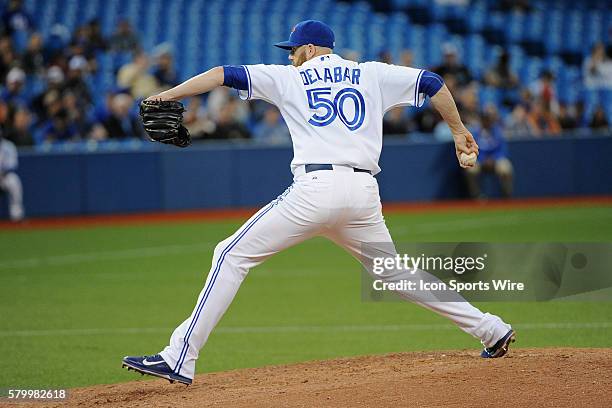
(75, 83)
(17, 129)
(7, 56)
(544, 90)
(452, 85)
(227, 127)
(272, 129)
(121, 123)
(33, 59)
(15, 18)
(522, 6)
(468, 105)
(163, 70)
(501, 74)
(525, 98)
(13, 94)
(79, 44)
(517, 124)
(219, 97)
(492, 157)
(52, 105)
(542, 120)
(4, 115)
(56, 43)
(196, 120)
(395, 123)
(135, 77)
(597, 69)
(350, 55)
(9, 180)
(55, 87)
(59, 129)
(77, 113)
(407, 58)
(426, 120)
(452, 65)
(97, 42)
(599, 121)
(385, 56)
(124, 39)
(86, 42)
(567, 118)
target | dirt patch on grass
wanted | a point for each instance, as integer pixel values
(555, 377)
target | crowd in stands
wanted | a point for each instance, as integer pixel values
(46, 95)
(529, 110)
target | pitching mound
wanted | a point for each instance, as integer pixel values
(561, 377)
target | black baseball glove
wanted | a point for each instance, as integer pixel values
(163, 122)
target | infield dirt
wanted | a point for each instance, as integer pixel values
(554, 377)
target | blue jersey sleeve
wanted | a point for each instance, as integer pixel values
(235, 77)
(430, 83)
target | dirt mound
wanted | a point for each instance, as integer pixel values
(560, 377)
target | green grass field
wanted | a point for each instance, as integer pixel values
(74, 301)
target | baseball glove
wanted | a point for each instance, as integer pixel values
(163, 122)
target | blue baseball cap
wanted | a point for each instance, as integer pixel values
(309, 32)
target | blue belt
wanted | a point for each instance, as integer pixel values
(315, 167)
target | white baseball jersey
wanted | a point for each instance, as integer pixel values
(334, 107)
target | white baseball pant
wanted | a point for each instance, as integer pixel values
(11, 183)
(339, 204)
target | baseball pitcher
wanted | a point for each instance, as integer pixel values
(334, 110)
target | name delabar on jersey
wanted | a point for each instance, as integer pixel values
(334, 107)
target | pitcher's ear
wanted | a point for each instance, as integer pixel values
(312, 50)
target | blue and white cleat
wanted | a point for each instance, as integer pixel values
(501, 347)
(154, 365)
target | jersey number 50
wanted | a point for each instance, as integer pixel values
(320, 98)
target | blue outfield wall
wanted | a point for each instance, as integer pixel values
(221, 176)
